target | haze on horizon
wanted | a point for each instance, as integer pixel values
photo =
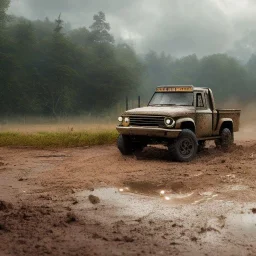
(178, 27)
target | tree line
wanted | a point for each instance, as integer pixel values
(225, 75)
(47, 68)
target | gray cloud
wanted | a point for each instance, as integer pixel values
(179, 27)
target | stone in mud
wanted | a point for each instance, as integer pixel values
(4, 206)
(194, 239)
(128, 239)
(117, 239)
(71, 217)
(75, 202)
(254, 210)
(2, 227)
(94, 199)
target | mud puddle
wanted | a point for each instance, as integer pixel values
(128, 195)
(125, 202)
(209, 219)
(169, 195)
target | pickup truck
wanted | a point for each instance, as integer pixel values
(182, 118)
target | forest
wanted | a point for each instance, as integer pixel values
(49, 69)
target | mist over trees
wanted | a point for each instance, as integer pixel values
(48, 69)
(225, 75)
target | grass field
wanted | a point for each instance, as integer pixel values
(57, 135)
(80, 132)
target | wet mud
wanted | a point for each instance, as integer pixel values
(96, 202)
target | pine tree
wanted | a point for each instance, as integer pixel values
(100, 29)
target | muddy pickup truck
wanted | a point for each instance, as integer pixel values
(182, 118)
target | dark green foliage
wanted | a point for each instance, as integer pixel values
(4, 4)
(100, 30)
(48, 69)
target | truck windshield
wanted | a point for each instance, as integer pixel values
(172, 98)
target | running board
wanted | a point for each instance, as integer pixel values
(210, 138)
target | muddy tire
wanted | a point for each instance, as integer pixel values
(185, 147)
(226, 140)
(124, 144)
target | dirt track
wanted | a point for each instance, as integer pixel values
(207, 208)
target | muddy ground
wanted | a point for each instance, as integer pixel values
(147, 204)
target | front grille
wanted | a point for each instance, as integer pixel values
(147, 121)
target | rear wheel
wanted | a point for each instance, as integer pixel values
(124, 144)
(226, 138)
(185, 147)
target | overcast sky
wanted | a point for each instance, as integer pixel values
(179, 27)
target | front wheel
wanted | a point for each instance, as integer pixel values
(124, 144)
(185, 147)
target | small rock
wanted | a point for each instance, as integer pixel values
(128, 239)
(2, 227)
(94, 199)
(223, 161)
(5, 206)
(194, 239)
(71, 217)
(96, 236)
(254, 210)
(20, 179)
(74, 201)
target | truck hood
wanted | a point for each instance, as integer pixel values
(172, 111)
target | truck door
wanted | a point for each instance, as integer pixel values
(203, 115)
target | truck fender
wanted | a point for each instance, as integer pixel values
(182, 120)
(221, 121)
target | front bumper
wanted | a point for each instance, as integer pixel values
(151, 132)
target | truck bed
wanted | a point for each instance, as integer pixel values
(233, 114)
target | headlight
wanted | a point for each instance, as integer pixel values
(120, 119)
(169, 122)
(126, 121)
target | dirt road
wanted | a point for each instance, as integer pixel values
(148, 204)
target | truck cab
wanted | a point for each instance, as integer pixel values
(175, 112)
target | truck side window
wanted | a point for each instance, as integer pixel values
(199, 100)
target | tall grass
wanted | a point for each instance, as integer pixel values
(58, 139)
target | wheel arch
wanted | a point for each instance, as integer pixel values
(186, 123)
(225, 123)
